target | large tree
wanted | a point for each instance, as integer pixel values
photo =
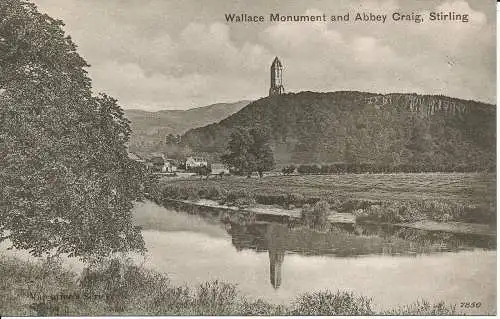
(249, 151)
(67, 184)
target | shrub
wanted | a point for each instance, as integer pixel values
(216, 192)
(336, 202)
(233, 195)
(350, 205)
(306, 215)
(260, 307)
(326, 303)
(317, 217)
(171, 191)
(190, 192)
(320, 211)
(268, 199)
(26, 288)
(216, 298)
(288, 170)
(243, 202)
(295, 199)
(118, 287)
(309, 169)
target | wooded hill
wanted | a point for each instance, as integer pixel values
(354, 127)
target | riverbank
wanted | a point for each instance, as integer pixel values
(273, 213)
(121, 288)
(386, 198)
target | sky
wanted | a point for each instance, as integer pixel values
(173, 54)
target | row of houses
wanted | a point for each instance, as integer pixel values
(162, 164)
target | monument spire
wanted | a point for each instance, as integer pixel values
(276, 78)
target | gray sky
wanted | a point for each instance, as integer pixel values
(166, 54)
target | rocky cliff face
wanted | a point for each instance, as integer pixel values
(424, 105)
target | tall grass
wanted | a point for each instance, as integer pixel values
(117, 287)
(423, 308)
(416, 210)
(326, 303)
(317, 215)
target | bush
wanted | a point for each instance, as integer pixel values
(267, 199)
(306, 215)
(26, 288)
(122, 284)
(295, 199)
(317, 216)
(233, 195)
(325, 303)
(216, 192)
(171, 192)
(351, 205)
(118, 287)
(336, 202)
(190, 192)
(288, 170)
(216, 298)
(243, 202)
(260, 307)
(309, 169)
(320, 211)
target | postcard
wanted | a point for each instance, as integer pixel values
(248, 158)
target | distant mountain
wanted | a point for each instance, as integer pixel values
(357, 127)
(150, 128)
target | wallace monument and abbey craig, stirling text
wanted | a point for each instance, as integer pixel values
(443, 17)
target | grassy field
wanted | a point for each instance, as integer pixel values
(395, 198)
(470, 188)
(120, 288)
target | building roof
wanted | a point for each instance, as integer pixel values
(277, 63)
(134, 156)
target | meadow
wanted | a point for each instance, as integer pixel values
(464, 197)
(475, 188)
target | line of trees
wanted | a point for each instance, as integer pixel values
(357, 168)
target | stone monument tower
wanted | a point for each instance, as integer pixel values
(276, 78)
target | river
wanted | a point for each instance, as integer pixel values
(273, 262)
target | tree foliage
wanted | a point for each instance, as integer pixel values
(67, 184)
(344, 127)
(249, 151)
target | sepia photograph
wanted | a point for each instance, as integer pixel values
(248, 158)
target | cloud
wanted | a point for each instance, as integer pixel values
(408, 57)
(133, 86)
(172, 54)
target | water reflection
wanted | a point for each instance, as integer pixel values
(345, 241)
(200, 247)
(276, 258)
(276, 236)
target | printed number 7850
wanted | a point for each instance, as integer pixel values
(470, 304)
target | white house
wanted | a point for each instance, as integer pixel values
(170, 165)
(192, 162)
